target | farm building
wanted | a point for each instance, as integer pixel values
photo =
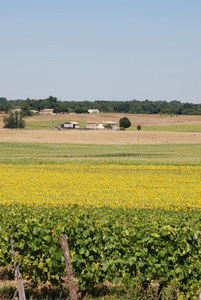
(111, 123)
(68, 125)
(35, 112)
(47, 111)
(101, 125)
(15, 111)
(93, 111)
(92, 125)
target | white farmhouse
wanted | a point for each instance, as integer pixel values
(101, 125)
(93, 111)
(47, 111)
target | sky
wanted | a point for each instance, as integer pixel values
(101, 49)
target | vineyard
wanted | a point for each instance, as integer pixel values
(130, 225)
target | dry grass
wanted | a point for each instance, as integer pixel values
(143, 120)
(1, 120)
(106, 137)
(99, 137)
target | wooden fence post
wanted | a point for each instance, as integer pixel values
(18, 276)
(71, 284)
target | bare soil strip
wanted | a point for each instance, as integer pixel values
(99, 137)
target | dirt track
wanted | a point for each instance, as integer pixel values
(99, 137)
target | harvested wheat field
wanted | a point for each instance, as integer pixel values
(99, 137)
(106, 137)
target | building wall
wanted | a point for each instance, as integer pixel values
(114, 127)
(47, 112)
(92, 126)
(100, 126)
(68, 125)
(91, 111)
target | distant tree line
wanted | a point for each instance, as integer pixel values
(133, 106)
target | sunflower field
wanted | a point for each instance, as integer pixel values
(116, 186)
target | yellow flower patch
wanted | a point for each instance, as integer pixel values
(152, 187)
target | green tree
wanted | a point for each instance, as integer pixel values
(16, 120)
(25, 107)
(53, 101)
(3, 99)
(107, 126)
(56, 110)
(21, 122)
(63, 107)
(13, 121)
(78, 110)
(84, 109)
(6, 106)
(10, 122)
(124, 122)
(45, 104)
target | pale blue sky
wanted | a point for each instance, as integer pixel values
(98, 49)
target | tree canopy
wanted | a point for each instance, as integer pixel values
(124, 122)
(14, 121)
(133, 106)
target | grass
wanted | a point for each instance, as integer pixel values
(177, 128)
(51, 124)
(177, 154)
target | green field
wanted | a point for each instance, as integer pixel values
(51, 124)
(177, 128)
(179, 154)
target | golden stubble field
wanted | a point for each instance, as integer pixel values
(99, 137)
(106, 137)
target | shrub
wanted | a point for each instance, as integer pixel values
(107, 126)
